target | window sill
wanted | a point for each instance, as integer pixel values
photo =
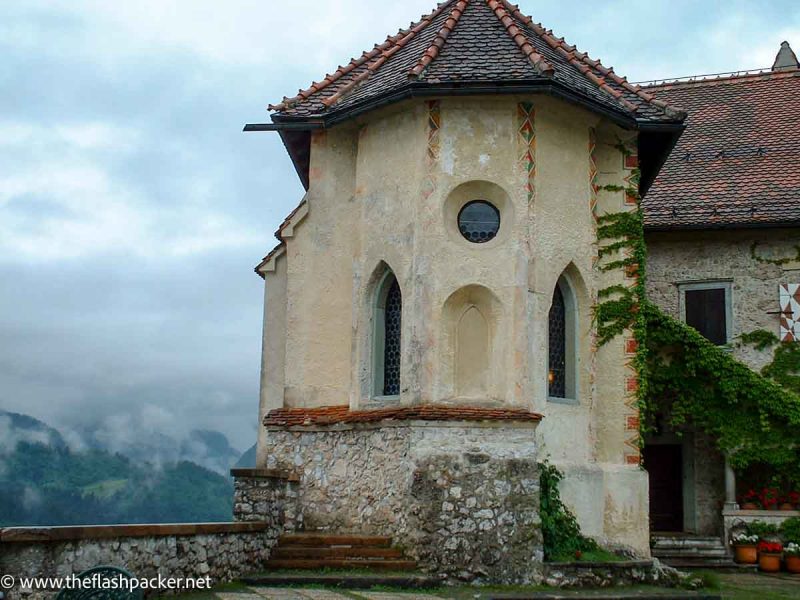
(379, 402)
(567, 401)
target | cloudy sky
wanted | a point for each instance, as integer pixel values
(133, 208)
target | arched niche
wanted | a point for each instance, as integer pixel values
(470, 353)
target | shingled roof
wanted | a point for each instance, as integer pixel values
(474, 47)
(472, 41)
(738, 162)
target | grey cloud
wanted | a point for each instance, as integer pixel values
(127, 296)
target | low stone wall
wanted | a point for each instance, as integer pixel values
(461, 498)
(735, 519)
(611, 574)
(265, 500)
(220, 551)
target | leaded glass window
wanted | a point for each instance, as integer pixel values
(479, 221)
(391, 340)
(557, 373)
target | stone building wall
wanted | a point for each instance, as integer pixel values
(220, 551)
(461, 499)
(690, 257)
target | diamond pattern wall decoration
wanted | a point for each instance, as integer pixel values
(790, 312)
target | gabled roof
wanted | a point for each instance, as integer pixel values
(465, 42)
(738, 162)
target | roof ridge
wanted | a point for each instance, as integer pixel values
(390, 42)
(720, 79)
(584, 63)
(433, 50)
(536, 59)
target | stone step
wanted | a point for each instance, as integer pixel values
(691, 553)
(340, 563)
(708, 563)
(319, 540)
(282, 552)
(682, 542)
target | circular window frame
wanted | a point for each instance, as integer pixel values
(481, 201)
(477, 190)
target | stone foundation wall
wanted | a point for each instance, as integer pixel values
(462, 499)
(613, 574)
(220, 551)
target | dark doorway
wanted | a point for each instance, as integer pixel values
(664, 463)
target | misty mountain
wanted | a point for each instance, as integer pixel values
(248, 459)
(209, 449)
(44, 480)
(16, 428)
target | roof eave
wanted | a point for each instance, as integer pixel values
(656, 142)
(664, 134)
(791, 224)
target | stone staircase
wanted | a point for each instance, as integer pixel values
(321, 551)
(684, 551)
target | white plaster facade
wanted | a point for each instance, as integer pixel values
(384, 193)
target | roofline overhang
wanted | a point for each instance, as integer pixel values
(291, 128)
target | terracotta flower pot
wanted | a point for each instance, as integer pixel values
(793, 564)
(769, 563)
(749, 506)
(786, 506)
(746, 555)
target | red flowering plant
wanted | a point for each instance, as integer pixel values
(765, 547)
(751, 497)
(769, 498)
(792, 498)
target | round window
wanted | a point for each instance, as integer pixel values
(479, 221)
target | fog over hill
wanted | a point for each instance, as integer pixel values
(51, 477)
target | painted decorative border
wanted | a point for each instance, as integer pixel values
(433, 150)
(790, 312)
(593, 186)
(633, 452)
(526, 135)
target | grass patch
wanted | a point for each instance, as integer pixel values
(711, 580)
(598, 555)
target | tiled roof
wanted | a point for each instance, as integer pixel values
(331, 415)
(738, 162)
(473, 42)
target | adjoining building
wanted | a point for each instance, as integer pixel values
(723, 236)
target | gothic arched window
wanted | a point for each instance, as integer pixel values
(561, 343)
(388, 325)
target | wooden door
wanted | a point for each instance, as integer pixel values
(664, 463)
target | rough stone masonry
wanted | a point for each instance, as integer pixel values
(462, 499)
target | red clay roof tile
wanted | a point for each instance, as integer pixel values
(331, 415)
(737, 164)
